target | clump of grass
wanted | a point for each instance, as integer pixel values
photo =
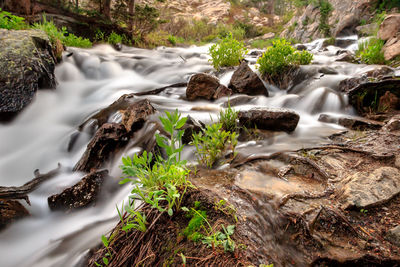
(212, 144)
(229, 118)
(370, 52)
(227, 52)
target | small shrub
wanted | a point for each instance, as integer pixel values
(66, 38)
(11, 22)
(280, 58)
(370, 52)
(228, 52)
(114, 38)
(100, 36)
(172, 40)
(211, 145)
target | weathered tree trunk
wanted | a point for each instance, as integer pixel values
(107, 9)
(131, 13)
(77, 4)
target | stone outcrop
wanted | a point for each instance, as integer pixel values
(82, 194)
(394, 235)
(389, 31)
(245, 81)
(269, 119)
(26, 64)
(353, 123)
(343, 20)
(363, 190)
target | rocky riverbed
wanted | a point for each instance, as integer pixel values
(316, 180)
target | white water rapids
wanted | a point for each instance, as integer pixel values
(89, 80)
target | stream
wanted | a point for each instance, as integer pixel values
(89, 80)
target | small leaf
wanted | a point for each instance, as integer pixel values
(105, 260)
(181, 122)
(104, 240)
(126, 180)
(185, 209)
(170, 212)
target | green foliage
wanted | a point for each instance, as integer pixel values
(200, 229)
(11, 22)
(325, 10)
(212, 143)
(363, 211)
(229, 118)
(160, 183)
(382, 5)
(114, 38)
(280, 58)
(172, 40)
(370, 52)
(221, 239)
(228, 52)
(66, 38)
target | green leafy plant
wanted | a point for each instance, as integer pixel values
(11, 22)
(229, 118)
(160, 182)
(227, 52)
(114, 38)
(212, 143)
(108, 256)
(370, 52)
(280, 58)
(363, 211)
(62, 34)
(172, 39)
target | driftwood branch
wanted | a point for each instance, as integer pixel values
(159, 90)
(21, 192)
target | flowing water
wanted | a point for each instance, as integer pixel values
(89, 80)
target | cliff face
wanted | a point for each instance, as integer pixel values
(342, 21)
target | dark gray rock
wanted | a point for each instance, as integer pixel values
(80, 195)
(245, 81)
(269, 119)
(26, 64)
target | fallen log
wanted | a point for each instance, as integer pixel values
(21, 192)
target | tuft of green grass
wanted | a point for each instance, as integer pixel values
(370, 52)
(212, 143)
(229, 118)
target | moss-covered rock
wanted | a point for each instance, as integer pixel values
(26, 64)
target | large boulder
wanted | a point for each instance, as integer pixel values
(389, 27)
(26, 64)
(269, 119)
(389, 31)
(365, 189)
(202, 86)
(82, 194)
(245, 81)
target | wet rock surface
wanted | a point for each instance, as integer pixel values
(10, 211)
(202, 86)
(394, 235)
(26, 64)
(269, 119)
(108, 138)
(245, 81)
(354, 123)
(80, 195)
